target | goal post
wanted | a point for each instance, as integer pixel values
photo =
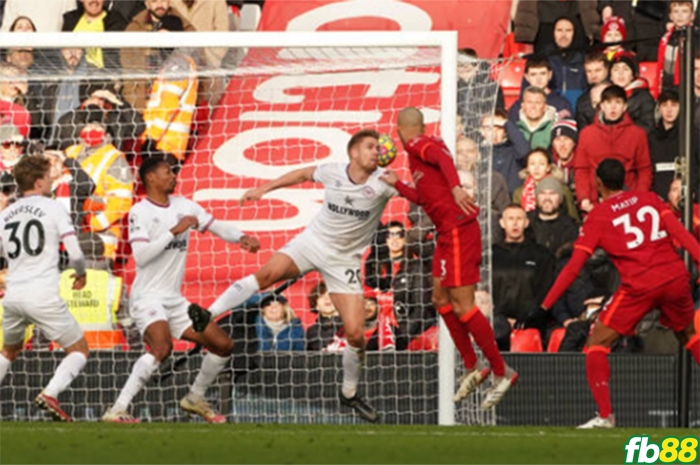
(323, 87)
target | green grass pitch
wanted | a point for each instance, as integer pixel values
(254, 443)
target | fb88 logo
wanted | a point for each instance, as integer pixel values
(671, 450)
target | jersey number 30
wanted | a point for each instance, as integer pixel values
(638, 234)
(25, 244)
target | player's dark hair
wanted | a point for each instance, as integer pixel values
(151, 163)
(359, 136)
(537, 61)
(612, 93)
(611, 173)
(30, 169)
(318, 290)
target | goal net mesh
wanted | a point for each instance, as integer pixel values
(233, 119)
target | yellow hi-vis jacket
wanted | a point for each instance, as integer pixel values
(113, 195)
(171, 106)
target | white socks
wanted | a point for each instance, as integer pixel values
(66, 372)
(352, 365)
(212, 364)
(140, 374)
(235, 295)
(4, 366)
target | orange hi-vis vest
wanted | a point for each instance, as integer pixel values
(171, 106)
(112, 197)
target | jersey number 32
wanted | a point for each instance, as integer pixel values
(643, 214)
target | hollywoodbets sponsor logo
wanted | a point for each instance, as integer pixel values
(361, 214)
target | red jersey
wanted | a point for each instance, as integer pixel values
(636, 229)
(435, 175)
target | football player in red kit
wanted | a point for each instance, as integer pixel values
(457, 255)
(637, 230)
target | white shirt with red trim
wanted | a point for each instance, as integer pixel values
(161, 277)
(31, 231)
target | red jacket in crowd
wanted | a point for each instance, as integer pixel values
(623, 141)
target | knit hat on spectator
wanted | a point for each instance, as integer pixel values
(550, 183)
(626, 58)
(614, 23)
(565, 127)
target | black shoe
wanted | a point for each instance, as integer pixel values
(360, 406)
(200, 317)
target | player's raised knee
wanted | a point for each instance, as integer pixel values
(355, 338)
(162, 350)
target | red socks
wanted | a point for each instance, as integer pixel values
(693, 347)
(476, 323)
(459, 336)
(598, 374)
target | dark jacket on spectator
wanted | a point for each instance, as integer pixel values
(509, 157)
(663, 150)
(640, 104)
(585, 113)
(413, 307)
(321, 333)
(645, 23)
(534, 21)
(290, 338)
(568, 73)
(112, 21)
(553, 233)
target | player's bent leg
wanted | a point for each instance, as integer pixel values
(220, 347)
(8, 354)
(158, 338)
(351, 309)
(598, 374)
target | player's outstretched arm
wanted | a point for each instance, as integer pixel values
(290, 179)
(77, 261)
(391, 178)
(234, 235)
(566, 277)
(681, 235)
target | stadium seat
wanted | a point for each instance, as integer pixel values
(555, 339)
(649, 71)
(525, 340)
(511, 80)
(513, 48)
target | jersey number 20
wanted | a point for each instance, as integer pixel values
(25, 244)
(638, 234)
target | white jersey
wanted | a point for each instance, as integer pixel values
(162, 276)
(31, 232)
(351, 212)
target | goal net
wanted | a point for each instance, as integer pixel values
(231, 119)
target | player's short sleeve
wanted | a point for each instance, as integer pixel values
(138, 230)
(64, 224)
(204, 218)
(590, 234)
(323, 173)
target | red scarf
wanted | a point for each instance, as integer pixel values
(528, 200)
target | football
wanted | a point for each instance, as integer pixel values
(387, 150)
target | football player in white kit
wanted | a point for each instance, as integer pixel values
(333, 244)
(159, 230)
(31, 232)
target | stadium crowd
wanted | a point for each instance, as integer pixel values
(582, 98)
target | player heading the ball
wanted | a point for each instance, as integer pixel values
(159, 233)
(457, 255)
(333, 244)
(31, 231)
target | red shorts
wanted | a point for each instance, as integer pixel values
(458, 256)
(624, 311)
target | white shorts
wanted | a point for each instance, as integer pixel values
(341, 272)
(147, 311)
(53, 320)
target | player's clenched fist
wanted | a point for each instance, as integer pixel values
(390, 177)
(252, 195)
(249, 243)
(185, 223)
(79, 281)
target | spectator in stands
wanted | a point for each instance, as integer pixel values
(597, 72)
(114, 183)
(123, 123)
(534, 21)
(536, 118)
(508, 145)
(538, 73)
(640, 103)
(126, 8)
(664, 142)
(467, 156)
(539, 166)
(92, 16)
(22, 24)
(379, 332)
(613, 135)
(468, 181)
(549, 223)
(474, 87)
(613, 32)
(645, 23)
(72, 185)
(277, 328)
(522, 273)
(567, 63)
(11, 146)
(675, 194)
(564, 139)
(21, 58)
(158, 17)
(46, 15)
(328, 322)
(681, 15)
(13, 91)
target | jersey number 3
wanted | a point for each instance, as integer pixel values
(25, 244)
(638, 234)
